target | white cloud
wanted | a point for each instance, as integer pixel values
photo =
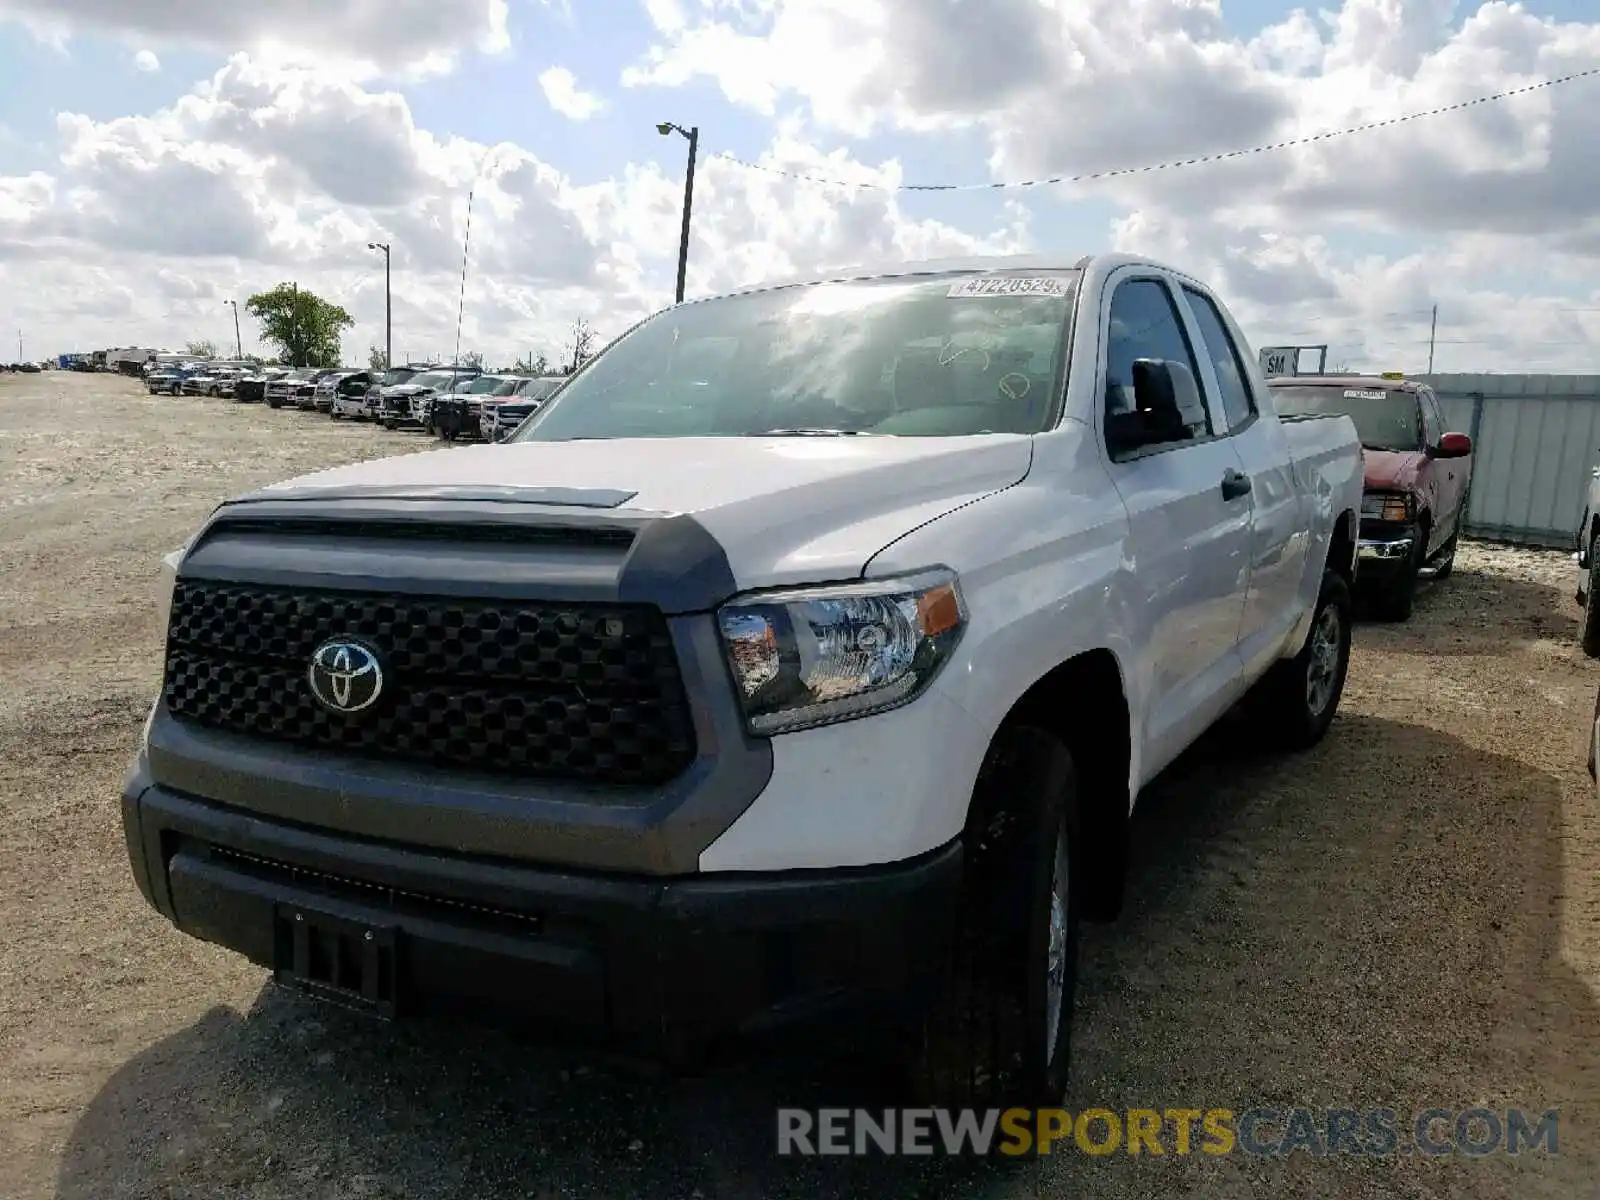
(146, 60)
(276, 168)
(1078, 86)
(368, 37)
(268, 172)
(566, 97)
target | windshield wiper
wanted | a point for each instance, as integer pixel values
(1385, 449)
(803, 432)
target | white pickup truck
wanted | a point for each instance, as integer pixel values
(803, 657)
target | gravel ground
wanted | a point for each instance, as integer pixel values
(1407, 916)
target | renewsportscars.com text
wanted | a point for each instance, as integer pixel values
(1263, 1132)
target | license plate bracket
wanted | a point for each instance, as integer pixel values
(349, 962)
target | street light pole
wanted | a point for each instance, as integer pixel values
(388, 311)
(665, 129)
(238, 339)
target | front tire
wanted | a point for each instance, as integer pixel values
(1296, 700)
(999, 1032)
(1590, 637)
(1397, 601)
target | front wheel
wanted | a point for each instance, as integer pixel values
(1397, 600)
(999, 1031)
(1590, 638)
(1296, 700)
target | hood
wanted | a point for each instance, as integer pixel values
(785, 510)
(407, 389)
(1392, 470)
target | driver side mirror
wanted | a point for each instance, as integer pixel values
(1453, 445)
(1166, 405)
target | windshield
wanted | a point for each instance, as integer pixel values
(1384, 419)
(482, 384)
(506, 387)
(433, 379)
(941, 357)
(398, 375)
(537, 389)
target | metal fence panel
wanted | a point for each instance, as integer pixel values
(1536, 438)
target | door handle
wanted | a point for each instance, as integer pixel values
(1235, 484)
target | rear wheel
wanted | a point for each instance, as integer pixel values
(1296, 700)
(1445, 560)
(999, 1032)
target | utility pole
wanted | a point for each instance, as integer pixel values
(294, 325)
(388, 311)
(19, 345)
(238, 340)
(1433, 330)
(665, 129)
(461, 306)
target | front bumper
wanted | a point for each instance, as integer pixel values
(658, 965)
(1392, 550)
(398, 409)
(1384, 549)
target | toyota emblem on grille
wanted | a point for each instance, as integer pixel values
(345, 676)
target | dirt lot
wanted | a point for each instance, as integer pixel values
(1407, 917)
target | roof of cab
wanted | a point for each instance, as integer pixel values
(954, 266)
(1365, 382)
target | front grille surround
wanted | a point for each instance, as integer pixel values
(538, 690)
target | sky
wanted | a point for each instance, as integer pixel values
(160, 158)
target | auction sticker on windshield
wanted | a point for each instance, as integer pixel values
(1009, 285)
(1367, 394)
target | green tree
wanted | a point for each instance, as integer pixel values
(472, 359)
(304, 326)
(201, 349)
(532, 364)
(377, 359)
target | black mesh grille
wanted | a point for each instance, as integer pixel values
(581, 692)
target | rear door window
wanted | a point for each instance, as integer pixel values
(1216, 344)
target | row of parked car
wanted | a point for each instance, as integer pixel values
(452, 402)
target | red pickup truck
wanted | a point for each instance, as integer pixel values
(1417, 475)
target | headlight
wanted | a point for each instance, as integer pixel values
(167, 583)
(813, 656)
(1386, 506)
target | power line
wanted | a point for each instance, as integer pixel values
(1165, 166)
